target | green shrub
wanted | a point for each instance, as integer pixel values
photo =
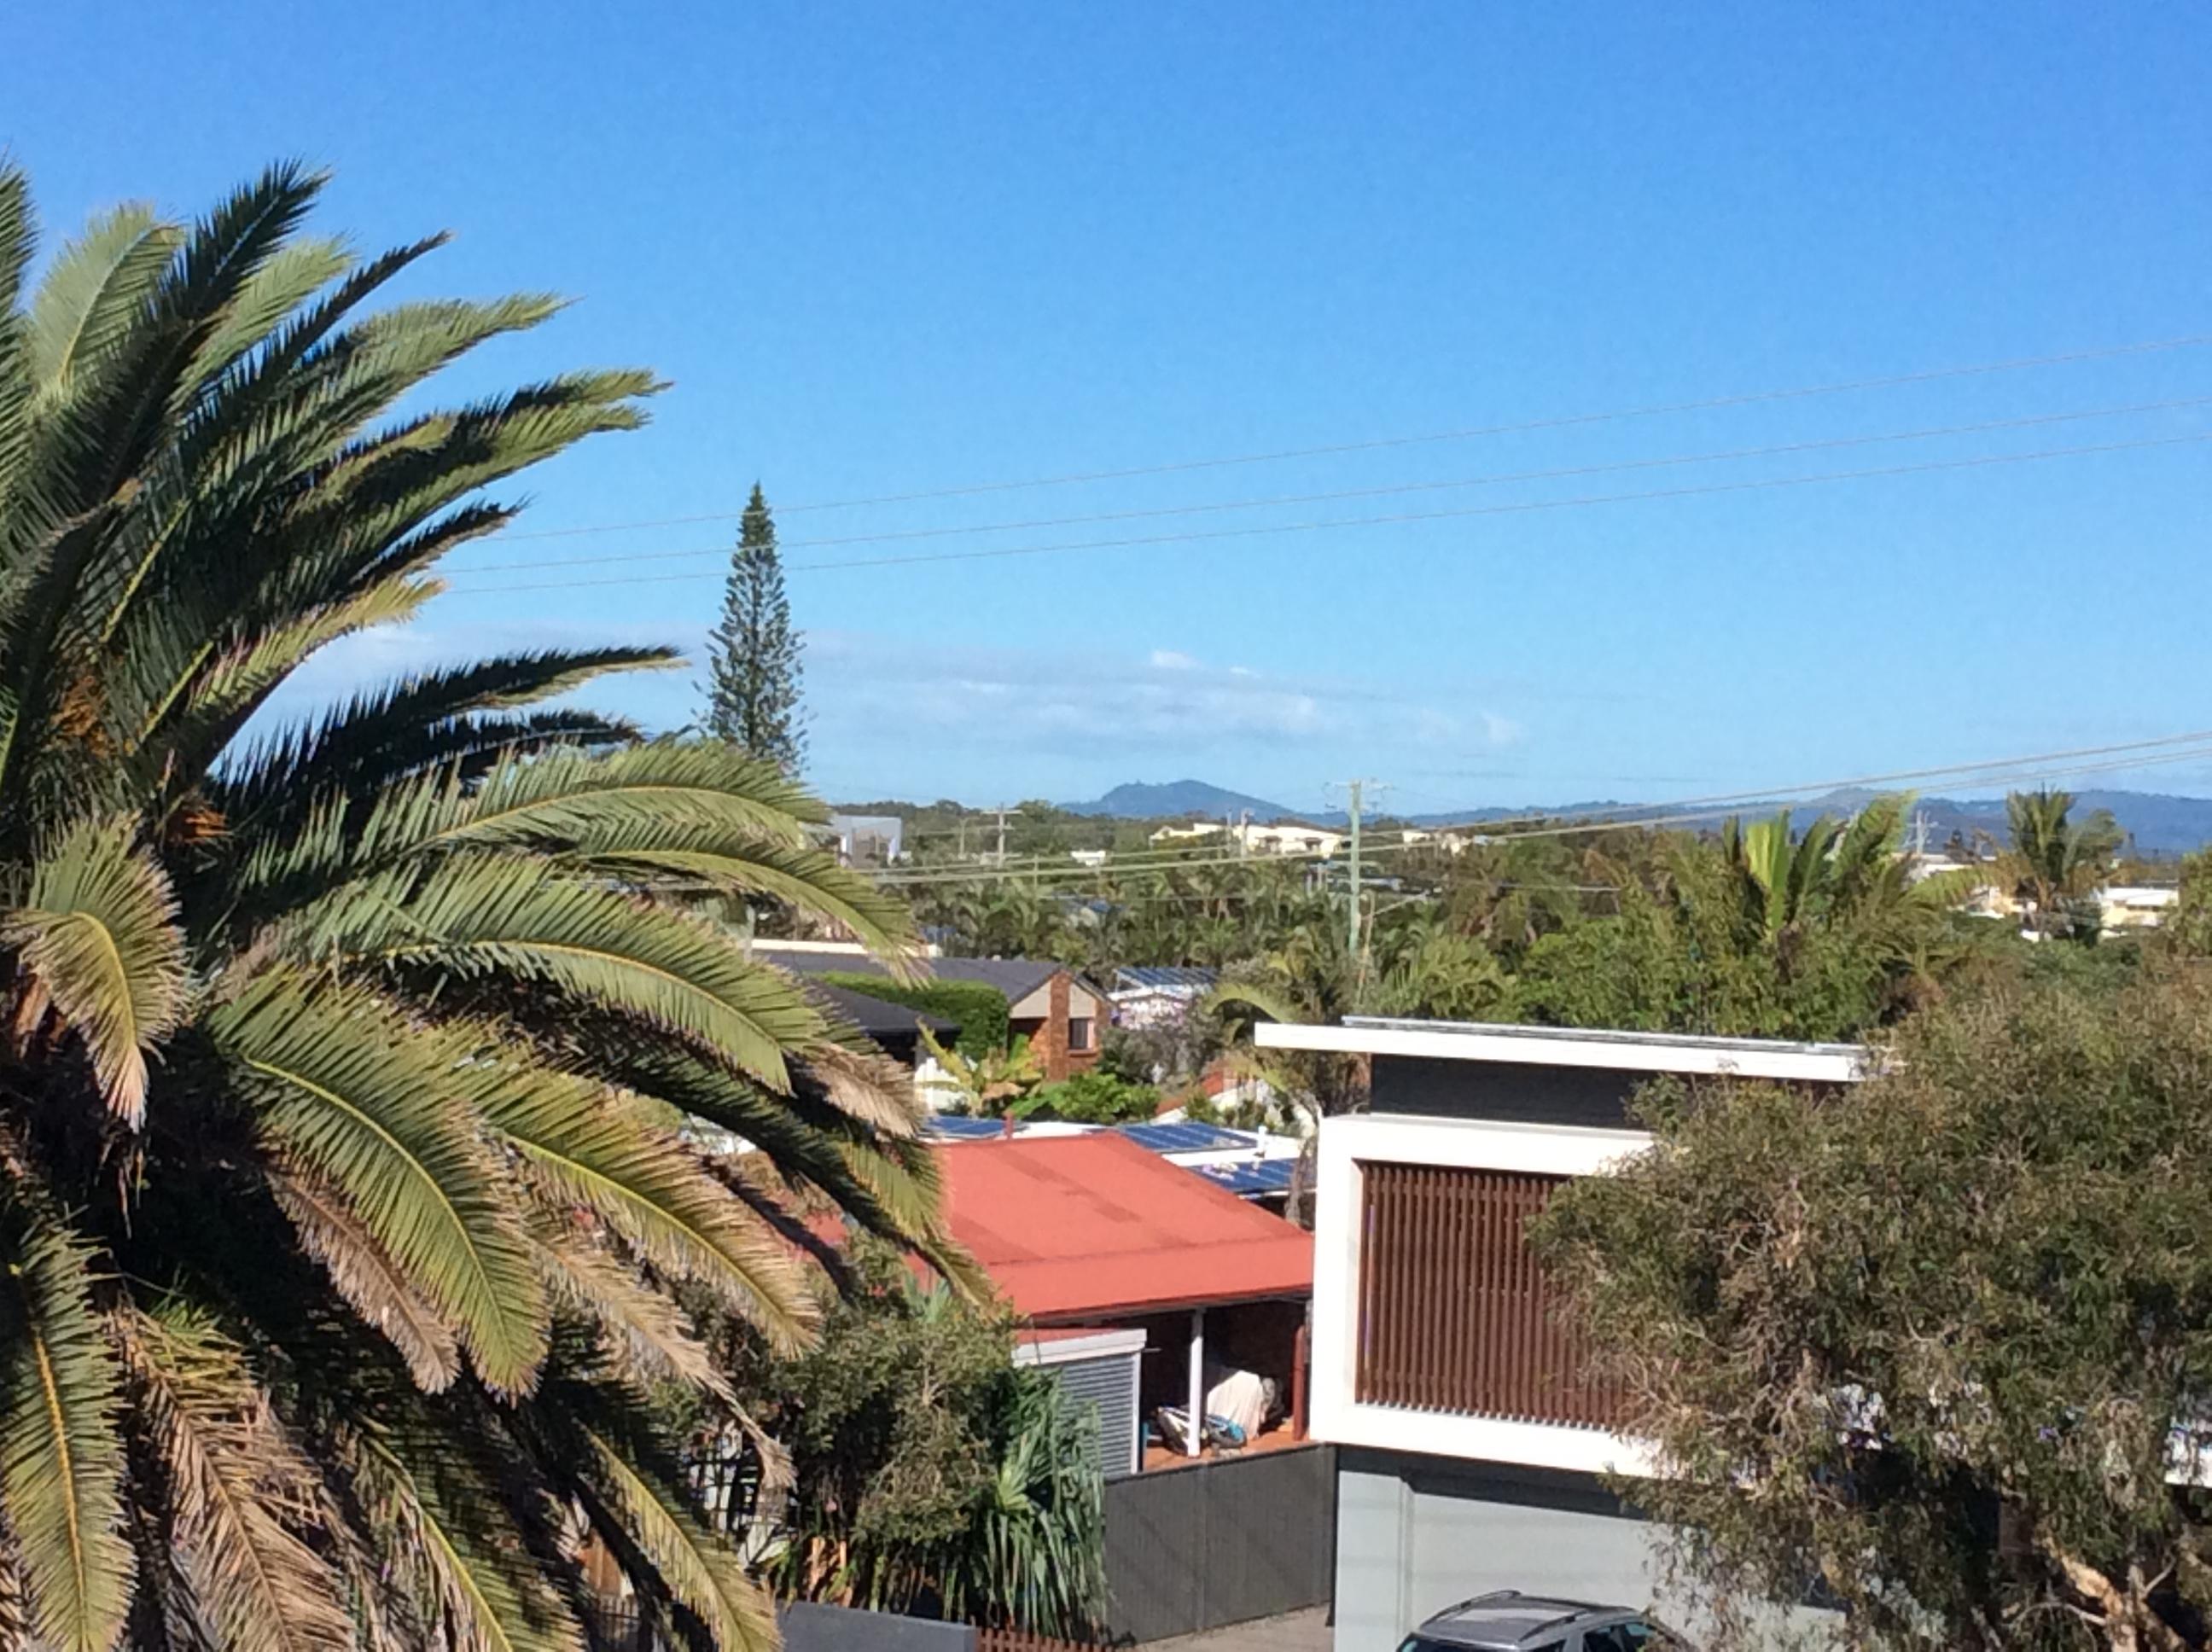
(1092, 1098)
(980, 1012)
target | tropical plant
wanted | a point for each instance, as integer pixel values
(988, 1082)
(1939, 1348)
(929, 1473)
(1091, 1098)
(2055, 865)
(346, 1068)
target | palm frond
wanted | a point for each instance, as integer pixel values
(240, 1493)
(17, 242)
(864, 1084)
(482, 916)
(290, 277)
(367, 1276)
(649, 1336)
(381, 735)
(383, 1112)
(100, 938)
(566, 799)
(60, 1455)
(183, 718)
(808, 880)
(100, 287)
(441, 1529)
(701, 1571)
(887, 1184)
(600, 1151)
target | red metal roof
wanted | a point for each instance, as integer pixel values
(1073, 1227)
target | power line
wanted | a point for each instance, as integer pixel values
(1557, 473)
(1713, 403)
(1519, 507)
(2127, 753)
(2142, 754)
(1943, 771)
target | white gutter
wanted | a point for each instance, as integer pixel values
(1740, 1058)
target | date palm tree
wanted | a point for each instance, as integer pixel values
(2055, 864)
(348, 1070)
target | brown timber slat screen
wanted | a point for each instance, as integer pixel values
(1453, 1314)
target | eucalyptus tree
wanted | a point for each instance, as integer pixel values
(348, 1068)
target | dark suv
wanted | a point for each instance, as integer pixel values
(1510, 1621)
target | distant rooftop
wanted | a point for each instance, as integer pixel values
(1608, 1048)
(1016, 977)
(1168, 976)
(1253, 1179)
(875, 1017)
(1187, 1138)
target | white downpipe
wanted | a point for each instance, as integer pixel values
(1195, 1434)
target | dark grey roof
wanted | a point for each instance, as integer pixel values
(1163, 975)
(878, 1018)
(1016, 977)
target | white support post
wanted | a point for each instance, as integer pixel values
(1197, 1432)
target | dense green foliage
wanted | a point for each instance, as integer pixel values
(1928, 1345)
(2189, 929)
(978, 1009)
(1813, 929)
(1093, 1097)
(341, 1183)
(929, 1475)
(754, 657)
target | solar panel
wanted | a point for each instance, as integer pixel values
(1186, 1137)
(953, 1127)
(1163, 975)
(1266, 1176)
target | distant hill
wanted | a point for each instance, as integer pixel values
(1141, 801)
(2159, 824)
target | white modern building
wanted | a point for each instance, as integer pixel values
(1470, 1440)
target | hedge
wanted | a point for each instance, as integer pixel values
(980, 1012)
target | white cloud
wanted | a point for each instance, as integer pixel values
(1502, 730)
(865, 688)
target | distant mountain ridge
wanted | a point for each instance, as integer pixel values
(2158, 823)
(1141, 800)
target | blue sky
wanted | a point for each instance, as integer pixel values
(883, 250)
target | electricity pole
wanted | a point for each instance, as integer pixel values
(1352, 872)
(1001, 856)
(1354, 792)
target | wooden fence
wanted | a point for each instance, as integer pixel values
(1454, 1315)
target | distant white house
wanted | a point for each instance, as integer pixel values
(2129, 905)
(2120, 906)
(1087, 857)
(1293, 839)
(1156, 995)
(1449, 843)
(1190, 833)
(869, 839)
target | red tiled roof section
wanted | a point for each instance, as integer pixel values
(1071, 1227)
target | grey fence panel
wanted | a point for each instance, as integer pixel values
(615, 1627)
(1220, 1542)
(810, 1628)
